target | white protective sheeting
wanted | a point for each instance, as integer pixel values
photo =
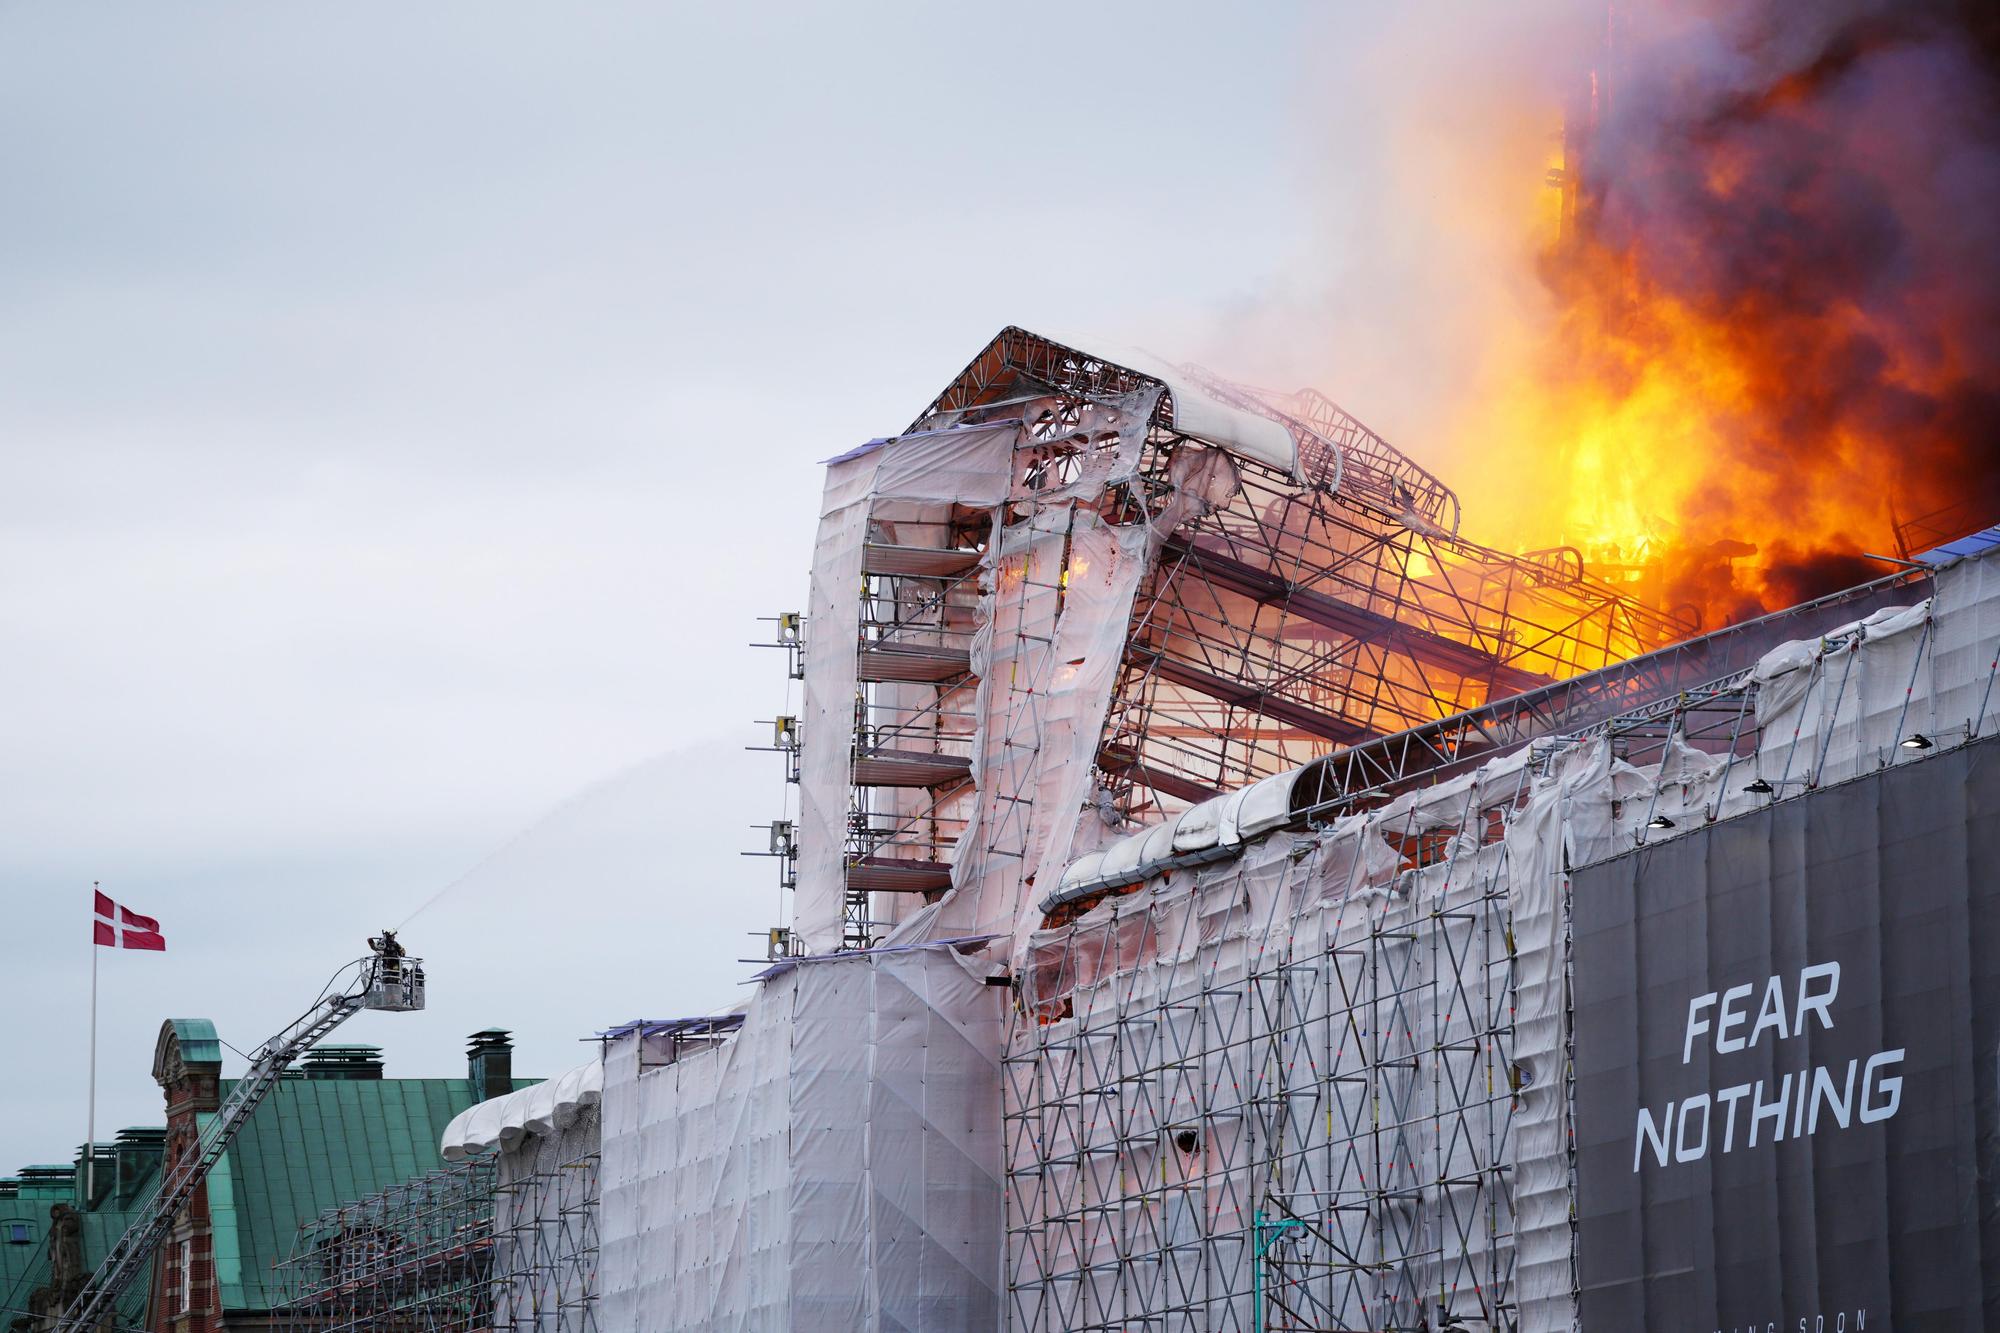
(1047, 657)
(1863, 696)
(1159, 842)
(1057, 586)
(834, 1166)
(541, 1108)
(1228, 830)
(971, 466)
(1266, 804)
(1124, 856)
(1200, 827)
(1083, 870)
(1541, 1199)
(1963, 659)
(1828, 705)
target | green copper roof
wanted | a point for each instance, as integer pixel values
(24, 1267)
(315, 1144)
(198, 1040)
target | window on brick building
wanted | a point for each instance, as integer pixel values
(184, 1266)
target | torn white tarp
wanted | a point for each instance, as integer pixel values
(1835, 706)
(1047, 657)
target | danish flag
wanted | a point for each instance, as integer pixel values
(122, 928)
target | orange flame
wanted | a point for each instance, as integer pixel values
(1767, 356)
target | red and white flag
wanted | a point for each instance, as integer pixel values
(122, 928)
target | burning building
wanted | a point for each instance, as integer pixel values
(1234, 890)
(1133, 590)
(1225, 898)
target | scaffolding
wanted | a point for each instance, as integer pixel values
(414, 1258)
(1308, 1128)
(496, 1241)
(1293, 1090)
(915, 712)
(545, 1247)
(1351, 777)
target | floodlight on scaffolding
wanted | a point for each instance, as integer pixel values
(1919, 741)
(785, 732)
(791, 637)
(782, 843)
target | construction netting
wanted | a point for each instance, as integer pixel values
(1286, 1087)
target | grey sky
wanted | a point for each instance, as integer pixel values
(405, 412)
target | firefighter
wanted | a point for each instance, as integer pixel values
(390, 952)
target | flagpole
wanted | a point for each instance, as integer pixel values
(90, 1143)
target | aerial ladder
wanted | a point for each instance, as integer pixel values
(386, 979)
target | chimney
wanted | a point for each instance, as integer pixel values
(47, 1182)
(490, 1063)
(344, 1062)
(105, 1178)
(139, 1152)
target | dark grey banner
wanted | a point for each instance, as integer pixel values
(1788, 1064)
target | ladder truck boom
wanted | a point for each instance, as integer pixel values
(386, 979)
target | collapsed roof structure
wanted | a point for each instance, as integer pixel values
(1085, 581)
